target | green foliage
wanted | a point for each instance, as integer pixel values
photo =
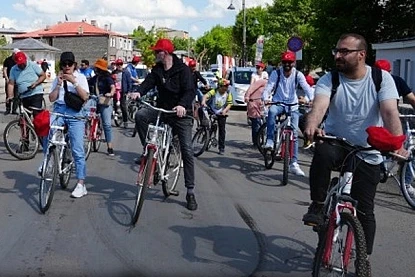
(4, 53)
(216, 41)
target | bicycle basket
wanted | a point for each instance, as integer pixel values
(155, 134)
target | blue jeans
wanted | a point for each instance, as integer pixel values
(408, 173)
(106, 115)
(275, 110)
(76, 131)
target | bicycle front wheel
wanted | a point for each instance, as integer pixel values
(66, 165)
(21, 141)
(341, 250)
(261, 138)
(286, 143)
(172, 170)
(96, 142)
(131, 110)
(143, 181)
(48, 179)
(87, 140)
(407, 178)
(200, 141)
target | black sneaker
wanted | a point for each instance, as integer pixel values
(6, 112)
(191, 202)
(221, 152)
(110, 152)
(315, 215)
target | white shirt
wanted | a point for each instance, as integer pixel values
(80, 79)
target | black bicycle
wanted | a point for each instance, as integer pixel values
(206, 133)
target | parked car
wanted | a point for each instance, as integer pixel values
(240, 79)
(210, 78)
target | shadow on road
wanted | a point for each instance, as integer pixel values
(239, 250)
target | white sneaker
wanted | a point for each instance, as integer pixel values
(295, 169)
(79, 191)
(411, 190)
(269, 144)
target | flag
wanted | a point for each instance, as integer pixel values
(66, 18)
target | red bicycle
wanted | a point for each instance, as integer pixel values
(93, 131)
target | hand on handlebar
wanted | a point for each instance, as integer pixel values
(180, 111)
(134, 95)
(311, 133)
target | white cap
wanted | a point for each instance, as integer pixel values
(15, 50)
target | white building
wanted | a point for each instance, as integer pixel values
(401, 55)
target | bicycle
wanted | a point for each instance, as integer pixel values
(205, 136)
(407, 182)
(93, 129)
(283, 148)
(23, 129)
(341, 236)
(58, 162)
(161, 161)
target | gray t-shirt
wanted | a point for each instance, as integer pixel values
(356, 107)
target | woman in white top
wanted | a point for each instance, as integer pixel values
(260, 73)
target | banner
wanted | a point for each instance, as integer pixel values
(259, 49)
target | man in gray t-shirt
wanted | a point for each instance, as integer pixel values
(356, 106)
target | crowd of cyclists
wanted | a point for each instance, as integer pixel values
(354, 106)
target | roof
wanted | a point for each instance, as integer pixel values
(30, 44)
(69, 29)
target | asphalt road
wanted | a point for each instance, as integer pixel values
(247, 224)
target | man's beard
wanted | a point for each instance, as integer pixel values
(344, 67)
(287, 68)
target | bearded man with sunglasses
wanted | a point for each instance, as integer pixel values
(356, 106)
(176, 91)
(282, 87)
(28, 78)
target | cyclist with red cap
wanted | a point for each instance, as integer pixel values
(282, 87)
(175, 87)
(131, 68)
(196, 78)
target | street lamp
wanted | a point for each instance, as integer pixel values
(231, 7)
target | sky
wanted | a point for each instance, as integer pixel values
(194, 16)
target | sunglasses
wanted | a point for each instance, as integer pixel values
(158, 51)
(64, 64)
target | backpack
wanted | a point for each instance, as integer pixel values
(279, 77)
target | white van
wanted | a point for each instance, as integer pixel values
(240, 80)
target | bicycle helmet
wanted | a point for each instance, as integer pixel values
(288, 56)
(223, 83)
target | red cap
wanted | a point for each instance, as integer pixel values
(136, 59)
(192, 63)
(383, 64)
(20, 58)
(119, 61)
(288, 56)
(163, 44)
(381, 139)
(260, 64)
(309, 80)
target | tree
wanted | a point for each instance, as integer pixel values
(217, 41)
(3, 53)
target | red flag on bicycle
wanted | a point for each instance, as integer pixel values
(41, 122)
(381, 139)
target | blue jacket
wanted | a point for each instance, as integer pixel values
(126, 82)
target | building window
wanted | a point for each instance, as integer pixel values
(396, 67)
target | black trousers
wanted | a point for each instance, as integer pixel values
(328, 157)
(35, 101)
(12, 105)
(182, 127)
(222, 131)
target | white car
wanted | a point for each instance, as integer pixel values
(210, 78)
(240, 79)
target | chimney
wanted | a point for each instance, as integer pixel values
(110, 27)
(47, 28)
(106, 27)
(94, 23)
(80, 30)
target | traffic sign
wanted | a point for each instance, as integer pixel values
(295, 43)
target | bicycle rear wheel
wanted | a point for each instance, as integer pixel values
(117, 119)
(407, 186)
(341, 250)
(48, 179)
(143, 181)
(286, 143)
(200, 141)
(261, 138)
(67, 165)
(87, 140)
(22, 148)
(172, 171)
